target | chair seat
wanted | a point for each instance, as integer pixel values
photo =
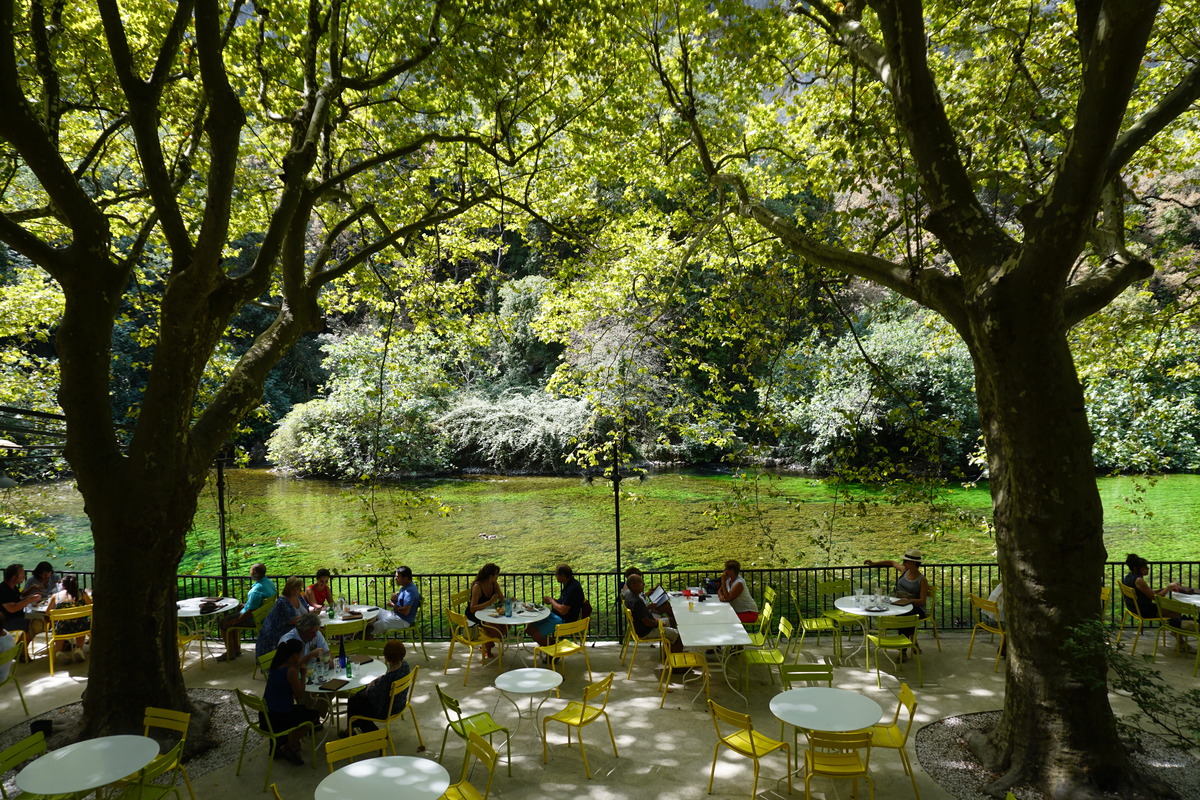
(889, 640)
(482, 723)
(768, 657)
(686, 659)
(842, 617)
(577, 714)
(752, 743)
(560, 649)
(818, 624)
(833, 764)
(461, 791)
(887, 736)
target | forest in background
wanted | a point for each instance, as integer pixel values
(834, 377)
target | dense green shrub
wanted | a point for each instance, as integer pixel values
(901, 389)
(516, 431)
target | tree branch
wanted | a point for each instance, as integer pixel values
(1173, 104)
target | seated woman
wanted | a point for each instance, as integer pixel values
(1139, 568)
(485, 592)
(373, 700)
(68, 597)
(911, 588)
(319, 594)
(733, 591)
(282, 616)
(285, 688)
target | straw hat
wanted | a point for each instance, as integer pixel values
(913, 555)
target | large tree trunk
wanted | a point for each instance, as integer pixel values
(1057, 731)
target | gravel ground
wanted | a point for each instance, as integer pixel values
(943, 753)
(227, 727)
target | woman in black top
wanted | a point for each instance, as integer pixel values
(485, 592)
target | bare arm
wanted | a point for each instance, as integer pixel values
(884, 563)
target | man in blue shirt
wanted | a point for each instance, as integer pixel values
(260, 590)
(308, 632)
(402, 607)
(567, 608)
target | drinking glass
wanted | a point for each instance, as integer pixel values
(858, 595)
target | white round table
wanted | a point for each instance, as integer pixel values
(529, 681)
(849, 604)
(519, 619)
(369, 614)
(818, 708)
(393, 777)
(86, 765)
(190, 608)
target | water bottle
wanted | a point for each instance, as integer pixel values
(342, 653)
(349, 669)
(508, 606)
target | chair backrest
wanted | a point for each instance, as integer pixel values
(275, 792)
(460, 598)
(264, 662)
(983, 607)
(74, 612)
(792, 674)
(1105, 597)
(10, 654)
(1179, 607)
(577, 629)
(480, 748)
(356, 745)
(350, 627)
(594, 690)
(22, 751)
(909, 702)
(402, 685)
(252, 706)
(366, 647)
(930, 597)
(764, 618)
(768, 594)
(260, 614)
(459, 626)
(166, 718)
(885, 625)
(838, 587)
(450, 704)
(822, 745)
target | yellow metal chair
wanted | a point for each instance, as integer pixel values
(262, 664)
(256, 619)
(260, 615)
(365, 647)
(16, 755)
(807, 674)
(177, 721)
(1130, 594)
(981, 608)
(745, 741)
(686, 659)
(9, 656)
(843, 619)
(760, 636)
(404, 684)
(348, 629)
(57, 615)
(891, 735)
(145, 787)
(887, 636)
(252, 707)
(415, 633)
(632, 636)
(930, 606)
(461, 633)
(359, 744)
(768, 594)
(484, 753)
(275, 792)
(818, 626)
(1183, 609)
(838, 755)
(770, 656)
(570, 638)
(1105, 598)
(480, 724)
(579, 715)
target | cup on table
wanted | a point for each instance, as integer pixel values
(858, 596)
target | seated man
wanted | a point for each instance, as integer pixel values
(567, 608)
(308, 632)
(373, 701)
(644, 623)
(402, 607)
(662, 610)
(259, 591)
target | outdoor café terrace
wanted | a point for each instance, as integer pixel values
(662, 752)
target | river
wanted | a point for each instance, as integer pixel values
(675, 520)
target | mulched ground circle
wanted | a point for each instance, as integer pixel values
(944, 755)
(228, 725)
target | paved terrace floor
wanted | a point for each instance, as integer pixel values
(664, 753)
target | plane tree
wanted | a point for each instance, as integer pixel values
(141, 141)
(982, 159)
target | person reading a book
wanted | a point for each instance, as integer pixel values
(644, 622)
(373, 700)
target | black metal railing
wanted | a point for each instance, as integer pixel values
(799, 592)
